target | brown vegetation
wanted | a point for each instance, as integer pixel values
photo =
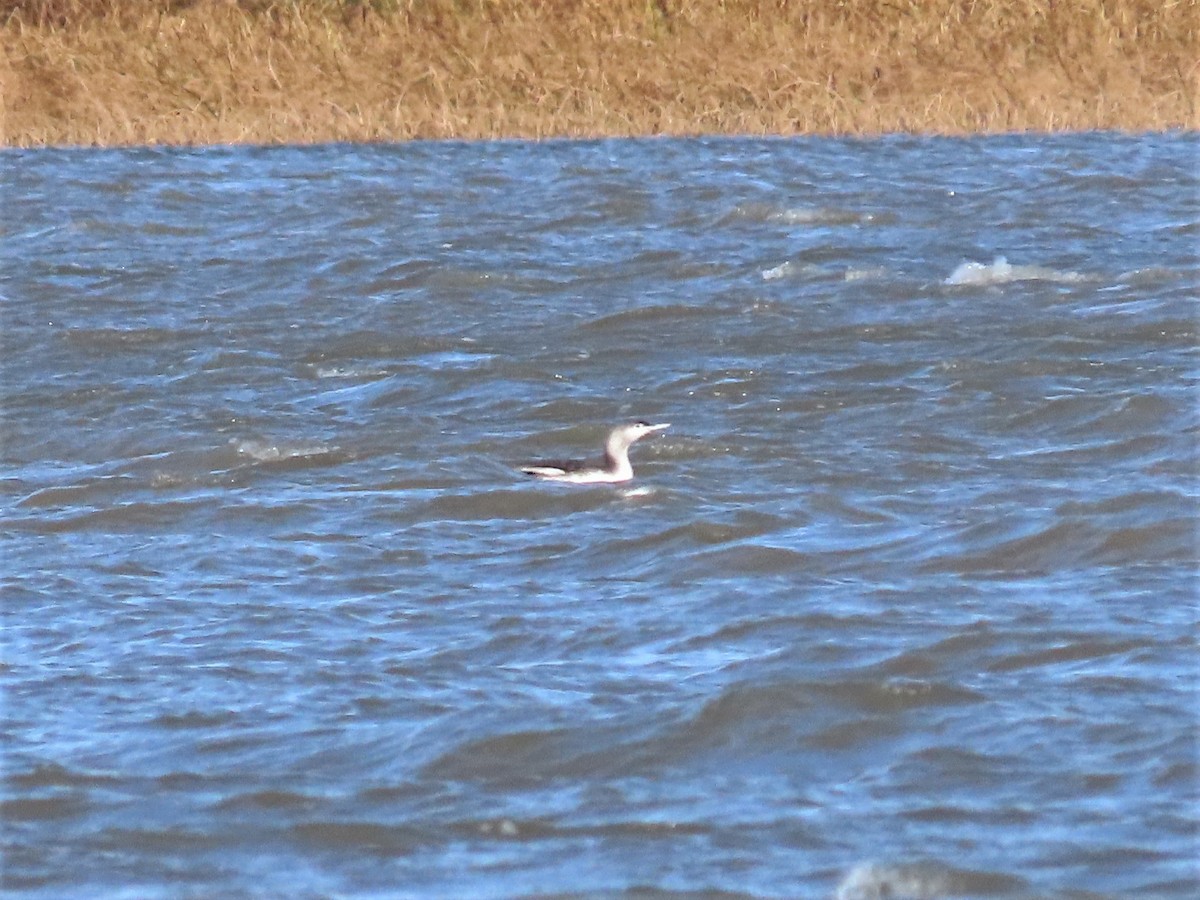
(219, 71)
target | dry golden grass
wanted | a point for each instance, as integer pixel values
(222, 71)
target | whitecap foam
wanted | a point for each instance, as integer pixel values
(780, 271)
(347, 372)
(789, 269)
(265, 451)
(165, 480)
(639, 492)
(1001, 271)
(800, 215)
(871, 273)
(921, 880)
(875, 881)
(816, 216)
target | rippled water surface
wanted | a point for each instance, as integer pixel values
(903, 604)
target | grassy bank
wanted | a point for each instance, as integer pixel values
(218, 71)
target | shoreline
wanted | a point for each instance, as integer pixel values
(147, 72)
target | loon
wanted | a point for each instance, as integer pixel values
(612, 468)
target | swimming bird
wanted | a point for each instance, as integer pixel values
(611, 468)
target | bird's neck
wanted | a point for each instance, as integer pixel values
(616, 461)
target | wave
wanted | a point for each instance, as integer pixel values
(922, 880)
(1001, 271)
(801, 215)
(270, 451)
(786, 270)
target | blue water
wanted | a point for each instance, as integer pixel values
(903, 605)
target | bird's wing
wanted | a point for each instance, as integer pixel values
(553, 466)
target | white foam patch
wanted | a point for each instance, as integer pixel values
(263, 451)
(876, 881)
(808, 215)
(800, 215)
(347, 372)
(923, 880)
(638, 492)
(164, 480)
(780, 271)
(1000, 271)
(872, 273)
